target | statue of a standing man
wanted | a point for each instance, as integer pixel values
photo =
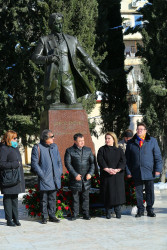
(63, 82)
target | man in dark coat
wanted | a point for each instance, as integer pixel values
(58, 52)
(46, 162)
(144, 162)
(79, 161)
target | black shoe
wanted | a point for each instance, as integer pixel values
(139, 214)
(118, 215)
(151, 214)
(10, 223)
(44, 221)
(108, 214)
(86, 217)
(73, 218)
(17, 222)
(54, 219)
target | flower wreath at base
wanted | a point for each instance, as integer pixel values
(64, 198)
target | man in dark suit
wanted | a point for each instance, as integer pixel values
(79, 161)
(57, 51)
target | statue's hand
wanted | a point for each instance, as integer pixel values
(52, 59)
(103, 77)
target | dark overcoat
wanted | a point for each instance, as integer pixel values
(47, 165)
(10, 158)
(142, 163)
(112, 186)
(79, 162)
(47, 46)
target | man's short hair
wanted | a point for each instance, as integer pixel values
(128, 133)
(45, 134)
(78, 135)
(141, 124)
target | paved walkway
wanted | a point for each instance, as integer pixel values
(98, 233)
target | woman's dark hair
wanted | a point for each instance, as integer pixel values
(45, 134)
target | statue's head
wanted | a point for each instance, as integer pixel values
(56, 22)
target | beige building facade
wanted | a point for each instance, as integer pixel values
(131, 18)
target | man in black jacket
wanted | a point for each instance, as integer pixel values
(79, 161)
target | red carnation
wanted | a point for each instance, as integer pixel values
(32, 206)
(59, 208)
(66, 208)
(67, 172)
(64, 198)
(32, 213)
(39, 214)
(27, 197)
(27, 206)
(62, 176)
(58, 201)
(36, 186)
(30, 191)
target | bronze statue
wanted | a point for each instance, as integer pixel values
(63, 82)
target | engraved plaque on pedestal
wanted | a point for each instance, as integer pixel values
(64, 124)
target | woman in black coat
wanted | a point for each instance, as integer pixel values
(111, 160)
(10, 158)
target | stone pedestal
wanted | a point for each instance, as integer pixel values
(64, 124)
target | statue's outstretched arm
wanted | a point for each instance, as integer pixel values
(88, 61)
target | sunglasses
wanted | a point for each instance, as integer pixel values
(51, 136)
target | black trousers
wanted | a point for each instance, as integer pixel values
(10, 202)
(48, 203)
(149, 190)
(85, 202)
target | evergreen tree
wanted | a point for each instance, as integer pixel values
(19, 27)
(114, 106)
(21, 82)
(154, 68)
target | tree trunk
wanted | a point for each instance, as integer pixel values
(164, 159)
(164, 170)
